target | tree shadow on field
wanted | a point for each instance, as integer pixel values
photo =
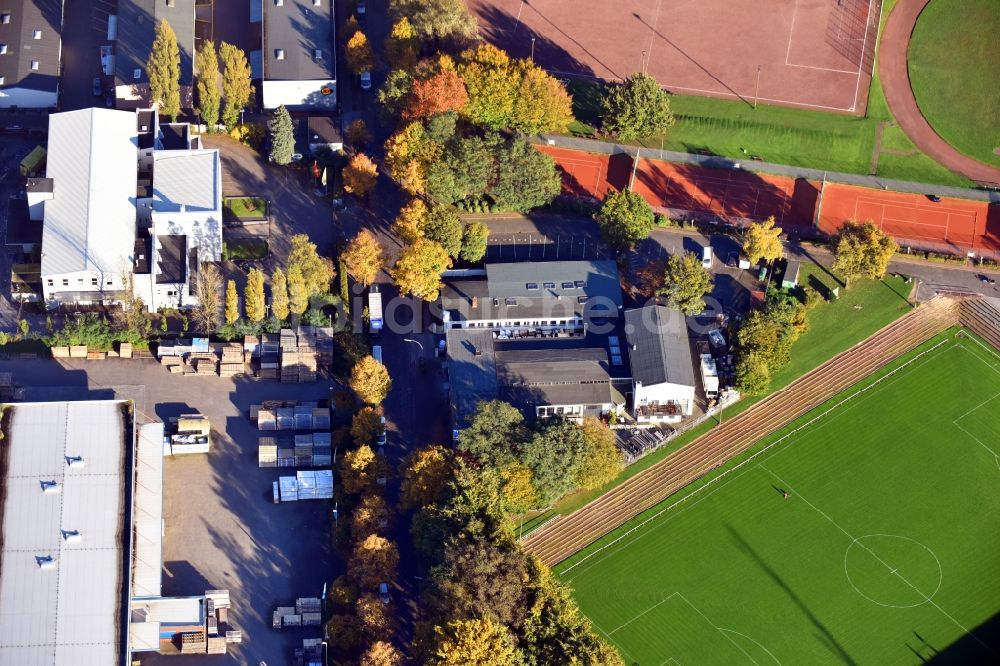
(825, 635)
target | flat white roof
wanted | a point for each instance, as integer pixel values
(147, 558)
(72, 612)
(188, 178)
(90, 220)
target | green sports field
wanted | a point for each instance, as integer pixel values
(886, 551)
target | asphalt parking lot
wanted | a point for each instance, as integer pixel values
(85, 31)
(221, 528)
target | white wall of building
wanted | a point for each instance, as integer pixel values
(89, 282)
(27, 99)
(298, 94)
(662, 394)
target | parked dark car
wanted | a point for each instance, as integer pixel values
(97, 86)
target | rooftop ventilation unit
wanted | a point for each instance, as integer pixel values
(45, 561)
(75, 462)
(72, 536)
(51, 486)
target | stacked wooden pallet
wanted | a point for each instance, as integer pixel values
(193, 642)
(289, 366)
(303, 450)
(232, 360)
(267, 452)
(270, 356)
(204, 364)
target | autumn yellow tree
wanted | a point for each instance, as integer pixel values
(424, 476)
(366, 425)
(363, 257)
(402, 45)
(358, 134)
(542, 103)
(409, 223)
(279, 295)
(517, 488)
(298, 293)
(761, 242)
(360, 469)
(407, 152)
(370, 380)
(477, 642)
(602, 461)
(862, 250)
(373, 616)
(359, 54)
(492, 81)
(360, 175)
(232, 303)
(381, 653)
(371, 516)
(373, 561)
(254, 295)
(419, 267)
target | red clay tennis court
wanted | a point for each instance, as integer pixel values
(948, 223)
(809, 53)
(735, 195)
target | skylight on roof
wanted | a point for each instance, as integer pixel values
(567, 285)
(550, 285)
(532, 286)
(510, 301)
(580, 284)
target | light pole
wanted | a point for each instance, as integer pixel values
(241, 116)
(756, 88)
(532, 50)
(635, 165)
(416, 342)
(642, 63)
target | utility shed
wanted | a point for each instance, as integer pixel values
(663, 380)
(66, 469)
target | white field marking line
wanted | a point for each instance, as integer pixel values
(822, 69)
(988, 350)
(757, 643)
(725, 473)
(791, 30)
(652, 35)
(719, 629)
(892, 571)
(624, 651)
(977, 407)
(995, 456)
(918, 224)
(864, 45)
(517, 21)
(917, 206)
(656, 605)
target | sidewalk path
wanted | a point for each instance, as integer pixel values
(896, 84)
(718, 162)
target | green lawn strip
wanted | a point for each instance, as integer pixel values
(756, 567)
(247, 207)
(833, 327)
(954, 67)
(245, 249)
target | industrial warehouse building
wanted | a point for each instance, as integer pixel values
(81, 514)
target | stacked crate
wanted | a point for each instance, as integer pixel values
(232, 360)
(303, 450)
(270, 356)
(311, 610)
(193, 642)
(174, 364)
(286, 418)
(267, 452)
(286, 454)
(289, 366)
(267, 419)
(322, 450)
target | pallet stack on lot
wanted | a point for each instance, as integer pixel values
(290, 415)
(289, 366)
(308, 450)
(193, 642)
(270, 356)
(232, 360)
(306, 485)
(307, 612)
(204, 363)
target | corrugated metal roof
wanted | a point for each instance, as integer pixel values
(90, 220)
(70, 614)
(298, 28)
(186, 177)
(148, 516)
(659, 349)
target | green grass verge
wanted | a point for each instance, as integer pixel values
(833, 327)
(247, 248)
(798, 137)
(954, 66)
(877, 556)
(247, 208)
